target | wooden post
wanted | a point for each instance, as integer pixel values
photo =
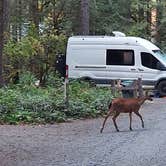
(140, 89)
(119, 87)
(135, 87)
(113, 87)
(66, 93)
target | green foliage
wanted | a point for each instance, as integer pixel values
(27, 78)
(27, 49)
(21, 53)
(54, 80)
(8, 100)
(37, 53)
(30, 48)
(138, 29)
(21, 49)
(87, 101)
(25, 103)
(53, 45)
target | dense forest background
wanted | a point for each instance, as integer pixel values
(34, 32)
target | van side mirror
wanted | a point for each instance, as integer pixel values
(160, 66)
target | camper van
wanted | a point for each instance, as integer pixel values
(105, 58)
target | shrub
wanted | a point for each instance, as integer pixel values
(27, 78)
(25, 103)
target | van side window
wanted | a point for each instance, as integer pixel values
(148, 60)
(120, 57)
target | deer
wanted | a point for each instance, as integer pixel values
(125, 105)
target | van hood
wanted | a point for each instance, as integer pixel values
(160, 55)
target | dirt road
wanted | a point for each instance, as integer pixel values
(80, 144)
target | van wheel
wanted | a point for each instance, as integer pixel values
(162, 88)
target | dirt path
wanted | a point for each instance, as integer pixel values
(80, 144)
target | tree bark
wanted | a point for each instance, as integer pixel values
(84, 26)
(148, 17)
(3, 9)
(35, 13)
(159, 13)
(20, 22)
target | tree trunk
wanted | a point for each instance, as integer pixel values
(159, 13)
(35, 13)
(15, 28)
(20, 22)
(84, 26)
(3, 9)
(148, 17)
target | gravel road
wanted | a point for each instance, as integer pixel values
(79, 143)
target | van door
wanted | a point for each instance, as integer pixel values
(148, 69)
(121, 64)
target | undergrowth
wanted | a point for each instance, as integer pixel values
(26, 103)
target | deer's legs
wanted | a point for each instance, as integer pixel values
(130, 115)
(138, 114)
(109, 113)
(114, 120)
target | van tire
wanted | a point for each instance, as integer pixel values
(162, 88)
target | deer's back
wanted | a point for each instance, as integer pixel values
(125, 105)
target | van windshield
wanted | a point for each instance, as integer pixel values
(160, 54)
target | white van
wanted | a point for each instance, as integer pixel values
(104, 58)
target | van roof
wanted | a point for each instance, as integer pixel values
(110, 40)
